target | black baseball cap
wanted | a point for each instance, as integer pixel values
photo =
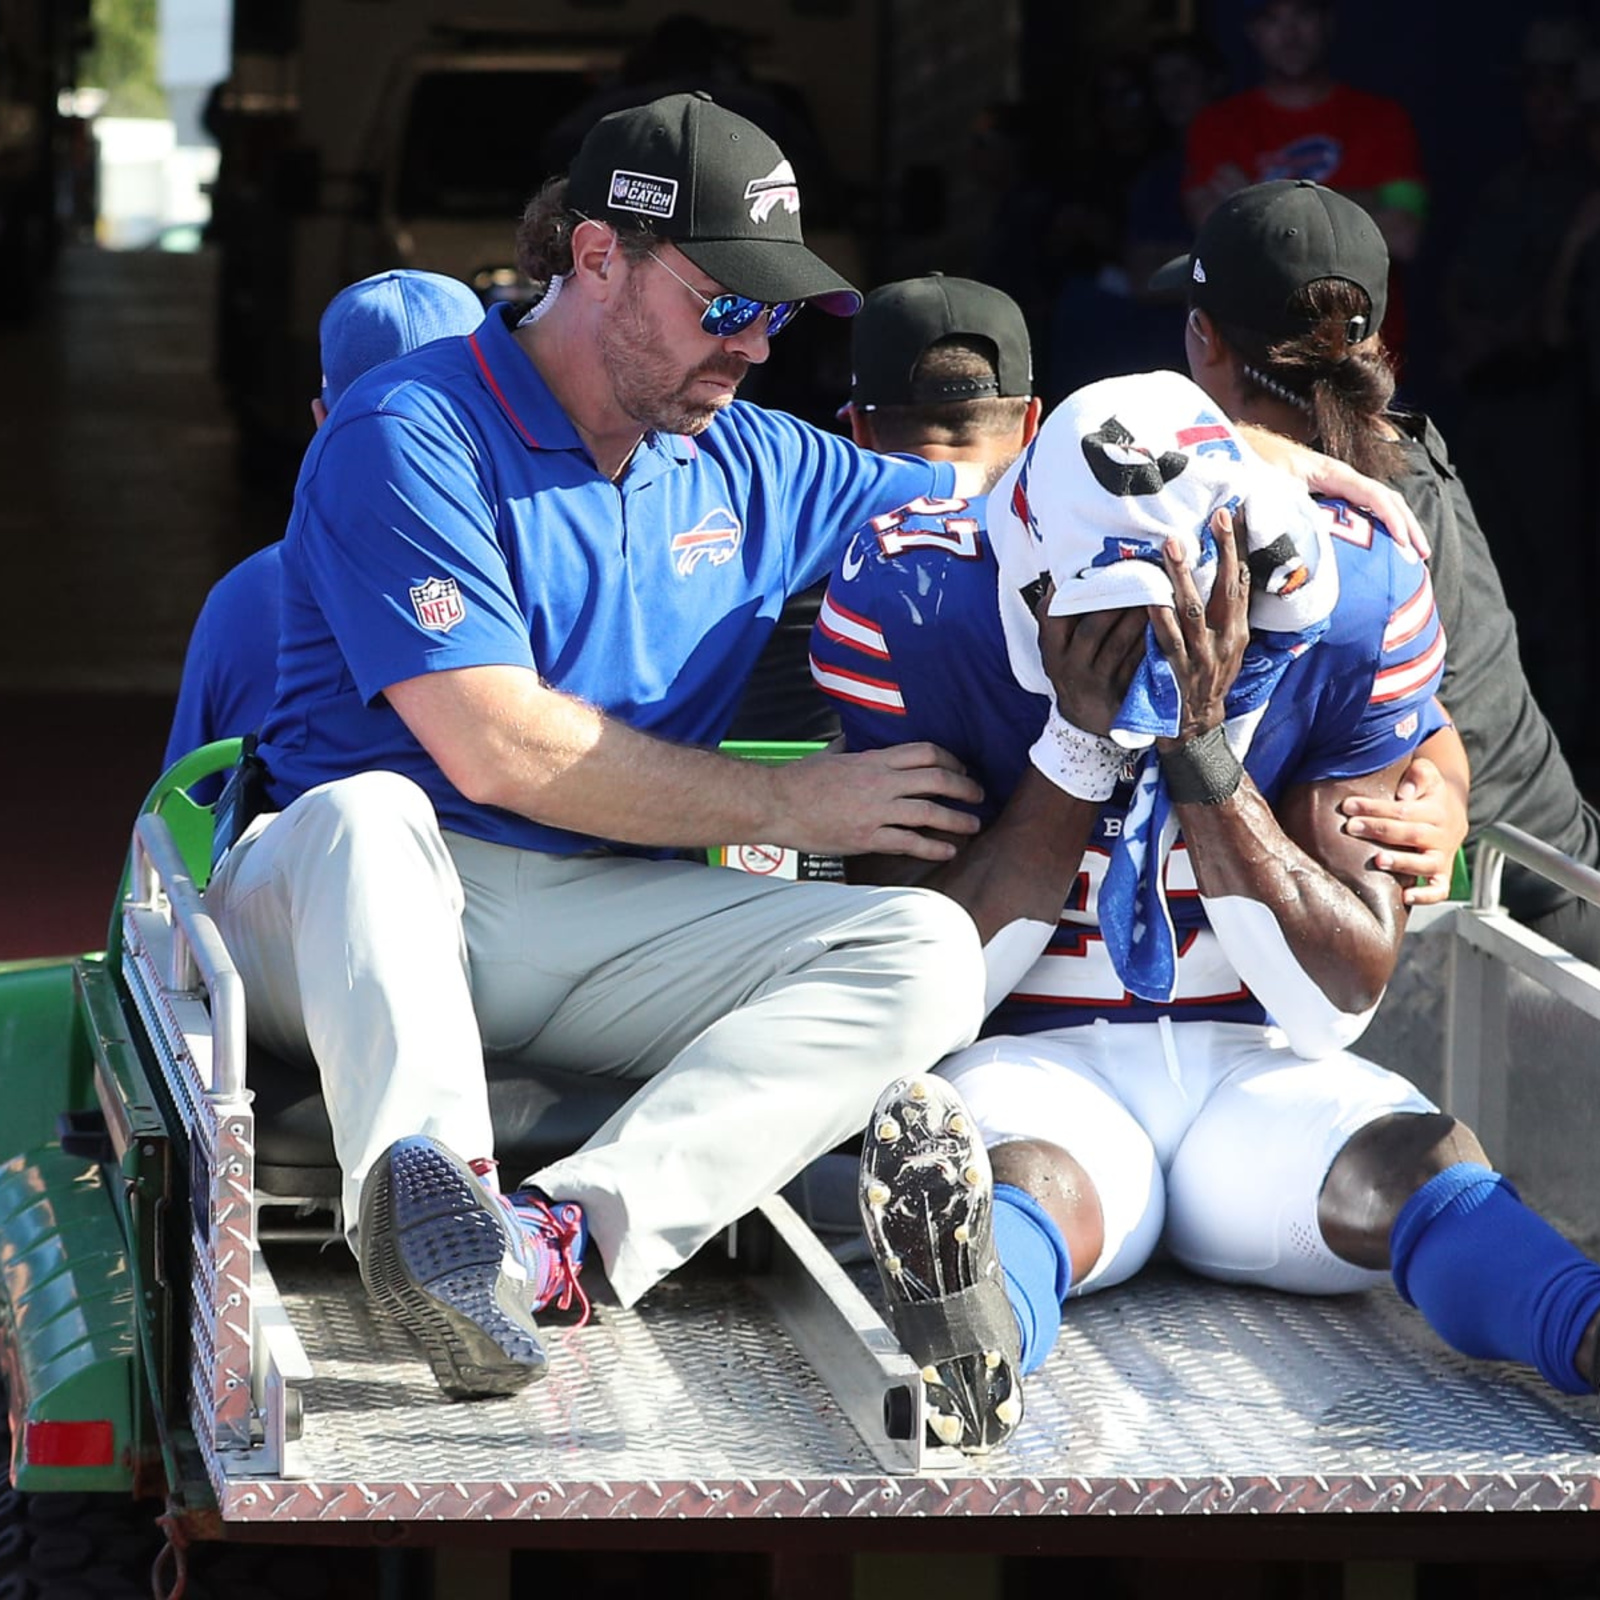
(901, 320)
(715, 186)
(1264, 243)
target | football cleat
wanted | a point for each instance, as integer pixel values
(927, 1200)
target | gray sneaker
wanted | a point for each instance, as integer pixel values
(448, 1261)
(927, 1199)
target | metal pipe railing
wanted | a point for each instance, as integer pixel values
(198, 953)
(1501, 842)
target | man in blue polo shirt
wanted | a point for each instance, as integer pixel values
(231, 663)
(526, 575)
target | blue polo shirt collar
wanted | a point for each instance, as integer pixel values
(534, 413)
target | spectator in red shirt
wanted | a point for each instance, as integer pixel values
(1300, 122)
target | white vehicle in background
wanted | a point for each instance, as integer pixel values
(363, 134)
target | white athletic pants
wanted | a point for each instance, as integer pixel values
(760, 1018)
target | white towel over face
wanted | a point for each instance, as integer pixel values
(1118, 468)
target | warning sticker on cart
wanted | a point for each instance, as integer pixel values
(774, 861)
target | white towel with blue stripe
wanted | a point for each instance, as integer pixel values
(1117, 469)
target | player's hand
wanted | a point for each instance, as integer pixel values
(1204, 641)
(1326, 475)
(890, 802)
(1417, 832)
(1090, 660)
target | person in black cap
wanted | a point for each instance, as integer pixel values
(526, 575)
(1286, 287)
(943, 368)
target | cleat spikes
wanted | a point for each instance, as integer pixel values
(931, 1235)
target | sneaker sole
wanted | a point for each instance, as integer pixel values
(927, 1200)
(435, 1257)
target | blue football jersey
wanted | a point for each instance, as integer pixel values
(909, 644)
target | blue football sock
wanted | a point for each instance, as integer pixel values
(1493, 1278)
(1037, 1266)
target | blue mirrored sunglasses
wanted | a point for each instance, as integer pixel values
(727, 314)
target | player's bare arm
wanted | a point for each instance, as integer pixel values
(505, 739)
(1340, 917)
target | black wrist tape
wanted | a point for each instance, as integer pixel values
(1201, 771)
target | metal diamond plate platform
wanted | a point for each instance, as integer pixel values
(1164, 1396)
(784, 1395)
(1167, 1377)
(697, 1381)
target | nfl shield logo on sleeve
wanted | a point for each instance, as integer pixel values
(438, 604)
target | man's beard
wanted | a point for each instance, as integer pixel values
(641, 373)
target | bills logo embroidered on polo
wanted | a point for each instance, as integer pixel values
(715, 538)
(438, 604)
(766, 192)
(642, 192)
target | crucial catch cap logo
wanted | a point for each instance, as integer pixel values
(642, 192)
(438, 604)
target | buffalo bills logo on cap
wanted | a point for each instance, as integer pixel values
(778, 186)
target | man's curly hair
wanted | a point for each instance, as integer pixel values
(544, 235)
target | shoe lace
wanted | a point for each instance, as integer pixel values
(556, 1231)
